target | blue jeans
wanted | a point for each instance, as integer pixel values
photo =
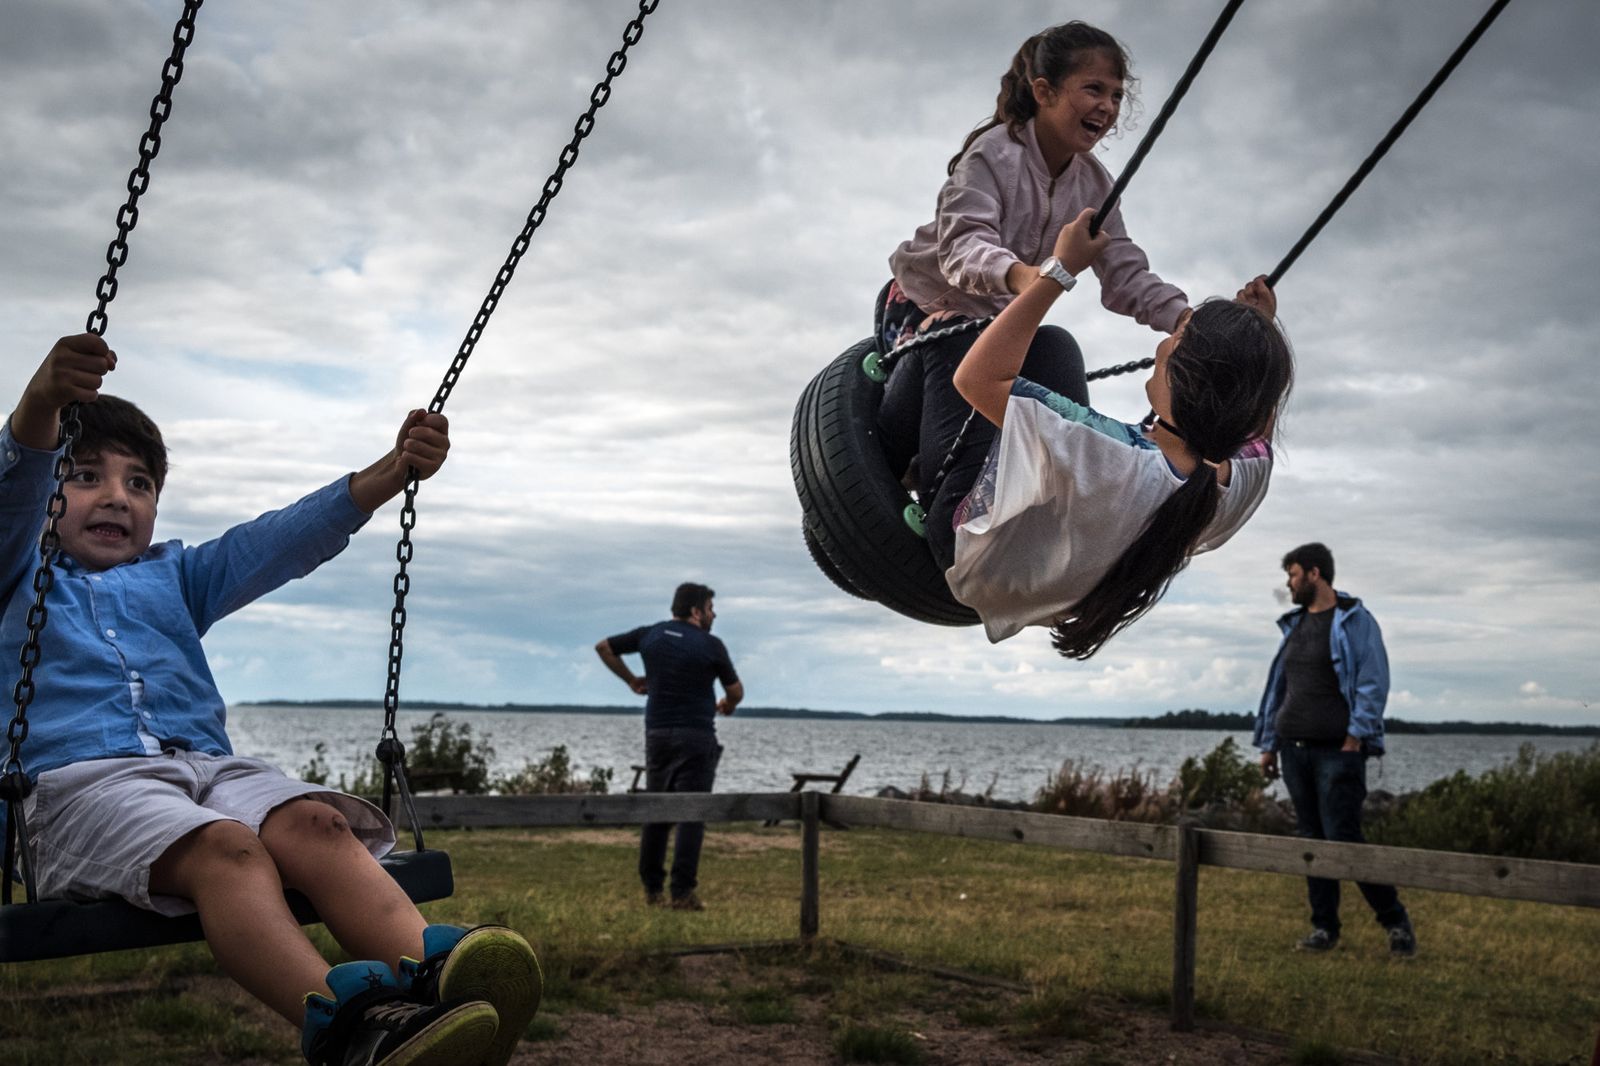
(1328, 787)
(676, 760)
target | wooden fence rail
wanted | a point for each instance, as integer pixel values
(1185, 845)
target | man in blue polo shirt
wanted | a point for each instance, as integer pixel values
(682, 660)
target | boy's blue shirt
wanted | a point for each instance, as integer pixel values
(139, 621)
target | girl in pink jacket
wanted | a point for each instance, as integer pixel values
(1017, 180)
(1023, 175)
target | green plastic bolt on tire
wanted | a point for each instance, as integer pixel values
(871, 368)
(915, 517)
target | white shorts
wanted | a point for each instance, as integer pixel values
(98, 826)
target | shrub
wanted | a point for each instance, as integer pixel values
(442, 754)
(1225, 776)
(1533, 807)
(315, 772)
(553, 774)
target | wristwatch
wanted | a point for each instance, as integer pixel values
(1051, 268)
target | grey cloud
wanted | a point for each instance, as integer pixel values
(341, 183)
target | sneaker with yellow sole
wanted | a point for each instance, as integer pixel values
(490, 963)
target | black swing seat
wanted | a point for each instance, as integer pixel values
(56, 928)
(853, 504)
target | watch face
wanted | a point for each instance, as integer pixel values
(1052, 269)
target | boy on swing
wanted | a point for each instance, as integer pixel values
(138, 793)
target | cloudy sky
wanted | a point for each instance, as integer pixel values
(340, 182)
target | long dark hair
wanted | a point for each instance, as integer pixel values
(1052, 55)
(1229, 374)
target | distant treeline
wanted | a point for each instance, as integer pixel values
(1198, 719)
(1185, 719)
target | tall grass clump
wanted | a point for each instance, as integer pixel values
(1224, 785)
(1083, 790)
(1533, 807)
(870, 1043)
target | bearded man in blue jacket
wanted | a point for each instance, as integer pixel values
(1321, 718)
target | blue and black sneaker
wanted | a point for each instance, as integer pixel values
(490, 963)
(372, 1022)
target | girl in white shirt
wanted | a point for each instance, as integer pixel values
(1080, 522)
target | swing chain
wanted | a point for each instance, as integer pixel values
(408, 510)
(1121, 368)
(106, 291)
(552, 186)
(16, 786)
(391, 752)
(139, 177)
(921, 339)
(44, 579)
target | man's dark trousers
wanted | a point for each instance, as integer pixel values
(1328, 787)
(676, 760)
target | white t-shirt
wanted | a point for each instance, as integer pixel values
(1063, 494)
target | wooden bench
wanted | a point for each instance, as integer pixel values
(801, 780)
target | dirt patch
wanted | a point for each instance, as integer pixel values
(730, 1008)
(778, 1007)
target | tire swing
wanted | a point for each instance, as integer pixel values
(50, 929)
(862, 527)
(857, 516)
(856, 512)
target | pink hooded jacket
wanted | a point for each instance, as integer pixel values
(1001, 205)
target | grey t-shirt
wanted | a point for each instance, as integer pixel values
(1313, 707)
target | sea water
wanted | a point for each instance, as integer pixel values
(1010, 761)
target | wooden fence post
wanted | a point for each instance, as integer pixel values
(809, 833)
(1186, 899)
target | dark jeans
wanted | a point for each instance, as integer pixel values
(676, 760)
(1328, 787)
(922, 413)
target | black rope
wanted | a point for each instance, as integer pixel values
(1383, 146)
(390, 751)
(14, 783)
(1167, 109)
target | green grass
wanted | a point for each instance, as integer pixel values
(1315, 1053)
(763, 1006)
(1495, 982)
(1055, 1015)
(874, 1043)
